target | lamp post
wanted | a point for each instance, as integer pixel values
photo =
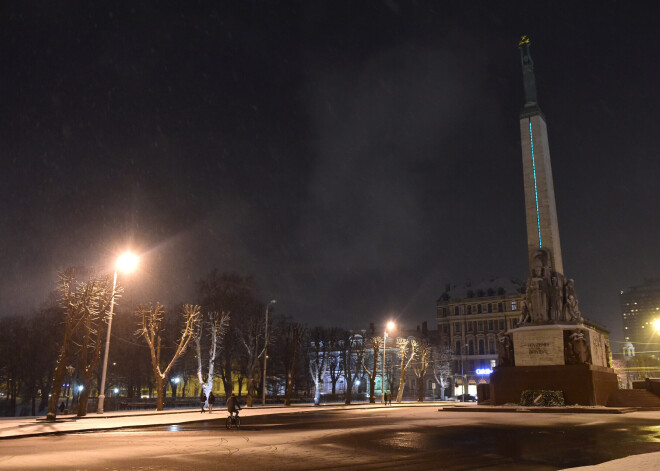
(390, 326)
(263, 391)
(126, 262)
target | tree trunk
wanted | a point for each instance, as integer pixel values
(83, 398)
(317, 391)
(288, 391)
(349, 389)
(250, 392)
(58, 377)
(372, 379)
(420, 389)
(160, 387)
(402, 383)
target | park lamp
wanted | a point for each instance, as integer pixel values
(656, 325)
(125, 263)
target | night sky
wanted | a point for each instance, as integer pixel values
(354, 156)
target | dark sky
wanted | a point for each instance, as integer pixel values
(353, 156)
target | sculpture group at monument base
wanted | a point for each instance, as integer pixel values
(583, 384)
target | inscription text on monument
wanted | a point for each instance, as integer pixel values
(538, 347)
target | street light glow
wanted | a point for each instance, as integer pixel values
(391, 325)
(656, 325)
(127, 262)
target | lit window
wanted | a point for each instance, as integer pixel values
(514, 305)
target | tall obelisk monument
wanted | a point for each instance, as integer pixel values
(540, 209)
(552, 357)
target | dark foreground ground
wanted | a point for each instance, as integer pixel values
(360, 439)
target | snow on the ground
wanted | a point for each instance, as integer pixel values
(646, 462)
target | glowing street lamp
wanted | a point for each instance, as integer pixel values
(126, 263)
(390, 326)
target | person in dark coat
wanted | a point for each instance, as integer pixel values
(232, 405)
(202, 399)
(211, 401)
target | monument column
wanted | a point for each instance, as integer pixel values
(540, 209)
(552, 357)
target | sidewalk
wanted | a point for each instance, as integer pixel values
(19, 427)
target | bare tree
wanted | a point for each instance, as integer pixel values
(373, 346)
(235, 295)
(79, 301)
(150, 321)
(334, 359)
(441, 367)
(318, 361)
(351, 353)
(92, 336)
(291, 337)
(421, 366)
(250, 335)
(217, 326)
(407, 352)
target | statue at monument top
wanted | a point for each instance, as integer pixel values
(529, 81)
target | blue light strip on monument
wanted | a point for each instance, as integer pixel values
(536, 192)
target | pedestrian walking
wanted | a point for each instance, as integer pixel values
(202, 399)
(211, 401)
(389, 399)
(385, 398)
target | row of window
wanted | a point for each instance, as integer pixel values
(469, 348)
(478, 308)
(480, 326)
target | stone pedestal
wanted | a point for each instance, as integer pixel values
(558, 357)
(584, 384)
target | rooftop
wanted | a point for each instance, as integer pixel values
(483, 289)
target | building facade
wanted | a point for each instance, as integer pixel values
(390, 357)
(640, 312)
(469, 319)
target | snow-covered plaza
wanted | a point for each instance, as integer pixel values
(361, 437)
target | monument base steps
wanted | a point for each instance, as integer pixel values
(633, 398)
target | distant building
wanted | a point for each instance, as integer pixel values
(469, 318)
(640, 310)
(361, 390)
(640, 355)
